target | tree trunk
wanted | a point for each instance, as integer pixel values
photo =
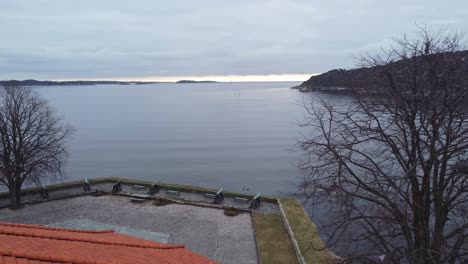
(15, 196)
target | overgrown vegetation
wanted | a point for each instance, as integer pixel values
(231, 211)
(161, 202)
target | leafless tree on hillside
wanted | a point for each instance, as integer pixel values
(393, 166)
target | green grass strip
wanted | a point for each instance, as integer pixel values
(273, 240)
(308, 239)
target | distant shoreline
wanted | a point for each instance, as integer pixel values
(192, 81)
(32, 82)
(67, 83)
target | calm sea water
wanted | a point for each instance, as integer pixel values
(231, 135)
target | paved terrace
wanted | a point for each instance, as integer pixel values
(191, 219)
(206, 231)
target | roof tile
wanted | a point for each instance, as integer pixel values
(34, 244)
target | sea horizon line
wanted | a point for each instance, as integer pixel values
(199, 78)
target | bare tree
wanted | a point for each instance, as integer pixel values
(392, 167)
(32, 139)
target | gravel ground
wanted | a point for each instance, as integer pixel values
(206, 231)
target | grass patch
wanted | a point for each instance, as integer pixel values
(273, 240)
(308, 239)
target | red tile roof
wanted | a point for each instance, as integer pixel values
(35, 244)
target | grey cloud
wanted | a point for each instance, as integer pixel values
(53, 39)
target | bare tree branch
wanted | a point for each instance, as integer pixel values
(393, 164)
(32, 140)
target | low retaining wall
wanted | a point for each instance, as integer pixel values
(175, 201)
(184, 188)
(58, 186)
(299, 256)
(192, 189)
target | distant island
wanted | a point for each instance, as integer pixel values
(32, 82)
(57, 83)
(353, 80)
(192, 81)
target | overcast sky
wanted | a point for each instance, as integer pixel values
(133, 39)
